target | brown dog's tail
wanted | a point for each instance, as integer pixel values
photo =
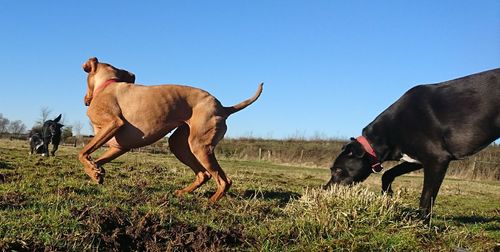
(245, 103)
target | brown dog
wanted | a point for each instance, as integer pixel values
(127, 116)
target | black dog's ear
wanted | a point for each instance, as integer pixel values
(60, 125)
(355, 149)
(132, 77)
(352, 139)
(58, 118)
(90, 65)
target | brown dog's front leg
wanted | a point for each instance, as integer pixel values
(102, 137)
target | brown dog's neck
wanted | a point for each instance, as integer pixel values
(103, 85)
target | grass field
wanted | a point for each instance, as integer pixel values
(49, 203)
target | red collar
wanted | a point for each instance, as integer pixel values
(104, 85)
(376, 165)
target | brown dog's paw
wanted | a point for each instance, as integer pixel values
(100, 170)
(179, 193)
(95, 173)
(100, 179)
(97, 178)
(216, 197)
(99, 173)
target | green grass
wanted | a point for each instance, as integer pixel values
(49, 203)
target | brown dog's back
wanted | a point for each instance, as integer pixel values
(151, 112)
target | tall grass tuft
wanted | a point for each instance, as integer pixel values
(350, 218)
(341, 207)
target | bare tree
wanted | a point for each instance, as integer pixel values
(91, 127)
(67, 132)
(4, 124)
(77, 128)
(17, 127)
(44, 115)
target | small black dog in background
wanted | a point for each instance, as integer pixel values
(51, 133)
(36, 142)
(41, 138)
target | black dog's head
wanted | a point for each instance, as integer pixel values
(53, 127)
(351, 166)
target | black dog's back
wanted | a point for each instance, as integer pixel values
(459, 117)
(468, 110)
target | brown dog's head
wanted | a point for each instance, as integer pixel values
(98, 73)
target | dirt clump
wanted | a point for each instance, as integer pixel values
(12, 200)
(114, 230)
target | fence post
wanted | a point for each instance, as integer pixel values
(474, 175)
(260, 153)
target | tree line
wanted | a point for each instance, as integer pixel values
(17, 128)
(12, 127)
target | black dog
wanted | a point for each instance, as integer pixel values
(429, 126)
(36, 142)
(51, 133)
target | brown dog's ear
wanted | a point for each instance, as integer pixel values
(91, 65)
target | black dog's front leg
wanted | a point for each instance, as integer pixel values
(396, 171)
(54, 149)
(433, 178)
(46, 148)
(32, 147)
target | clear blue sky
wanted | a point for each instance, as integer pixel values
(329, 67)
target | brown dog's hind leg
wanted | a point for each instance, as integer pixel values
(103, 136)
(202, 146)
(179, 146)
(109, 155)
(207, 158)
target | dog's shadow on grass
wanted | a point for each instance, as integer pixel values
(473, 219)
(4, 165)
(280, 196)
(283, 197)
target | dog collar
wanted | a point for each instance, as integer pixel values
(376, 165)
(104, 85)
